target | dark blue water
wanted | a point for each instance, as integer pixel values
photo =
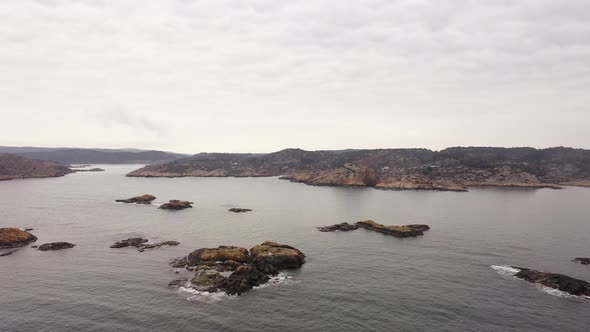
(356, 281)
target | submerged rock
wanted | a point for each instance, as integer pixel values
(239, 210)
(249, 268)
(175, 204)
(143, 247)
(582, 260)
(6, 253)
(131, 242)
(141, 244)
(143, 199)
(343, 227)
(14, 238)
(56, 246)
(554, 280)
(398, 231)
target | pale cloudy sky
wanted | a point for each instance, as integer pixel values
(262, 75)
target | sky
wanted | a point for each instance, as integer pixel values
(263, 75)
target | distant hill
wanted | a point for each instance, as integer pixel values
(93, 156)
(13, 166)
(450, 169)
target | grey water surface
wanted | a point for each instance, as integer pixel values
(352, 281)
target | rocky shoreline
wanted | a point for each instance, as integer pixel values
(453, 169)
(14, 167)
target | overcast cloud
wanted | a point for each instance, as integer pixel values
(262, 75)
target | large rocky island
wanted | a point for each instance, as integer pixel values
(452, 169)
(17, 167)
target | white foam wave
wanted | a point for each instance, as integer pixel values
(196, 295)
(505, 270)
(558, 293)
(280, 279)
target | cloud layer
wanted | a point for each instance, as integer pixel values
(221, 75)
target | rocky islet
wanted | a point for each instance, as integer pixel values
(249, 268)
(176, 204)
(56, 246)
(14, 238)
(142, 199)
(557, 281)
(411, 230)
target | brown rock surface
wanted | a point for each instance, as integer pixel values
(175, 204)
(143, 199)
(280, 256)
(56, 246)
(249, 268)
(398, 231)
(343, 227)
(14, 237)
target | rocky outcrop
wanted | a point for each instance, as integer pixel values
(239, 210)
(207, 281)
(16, 167)
(56, 246)
(249, 268)
(280, 256)
(175, 204)
(14, 237)
(554, 280)
(349, 175)
(222, 258)
(398, 231)
(141, 244)
(343, 227)
(582, 260)
(143, 199)
(243, 279)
